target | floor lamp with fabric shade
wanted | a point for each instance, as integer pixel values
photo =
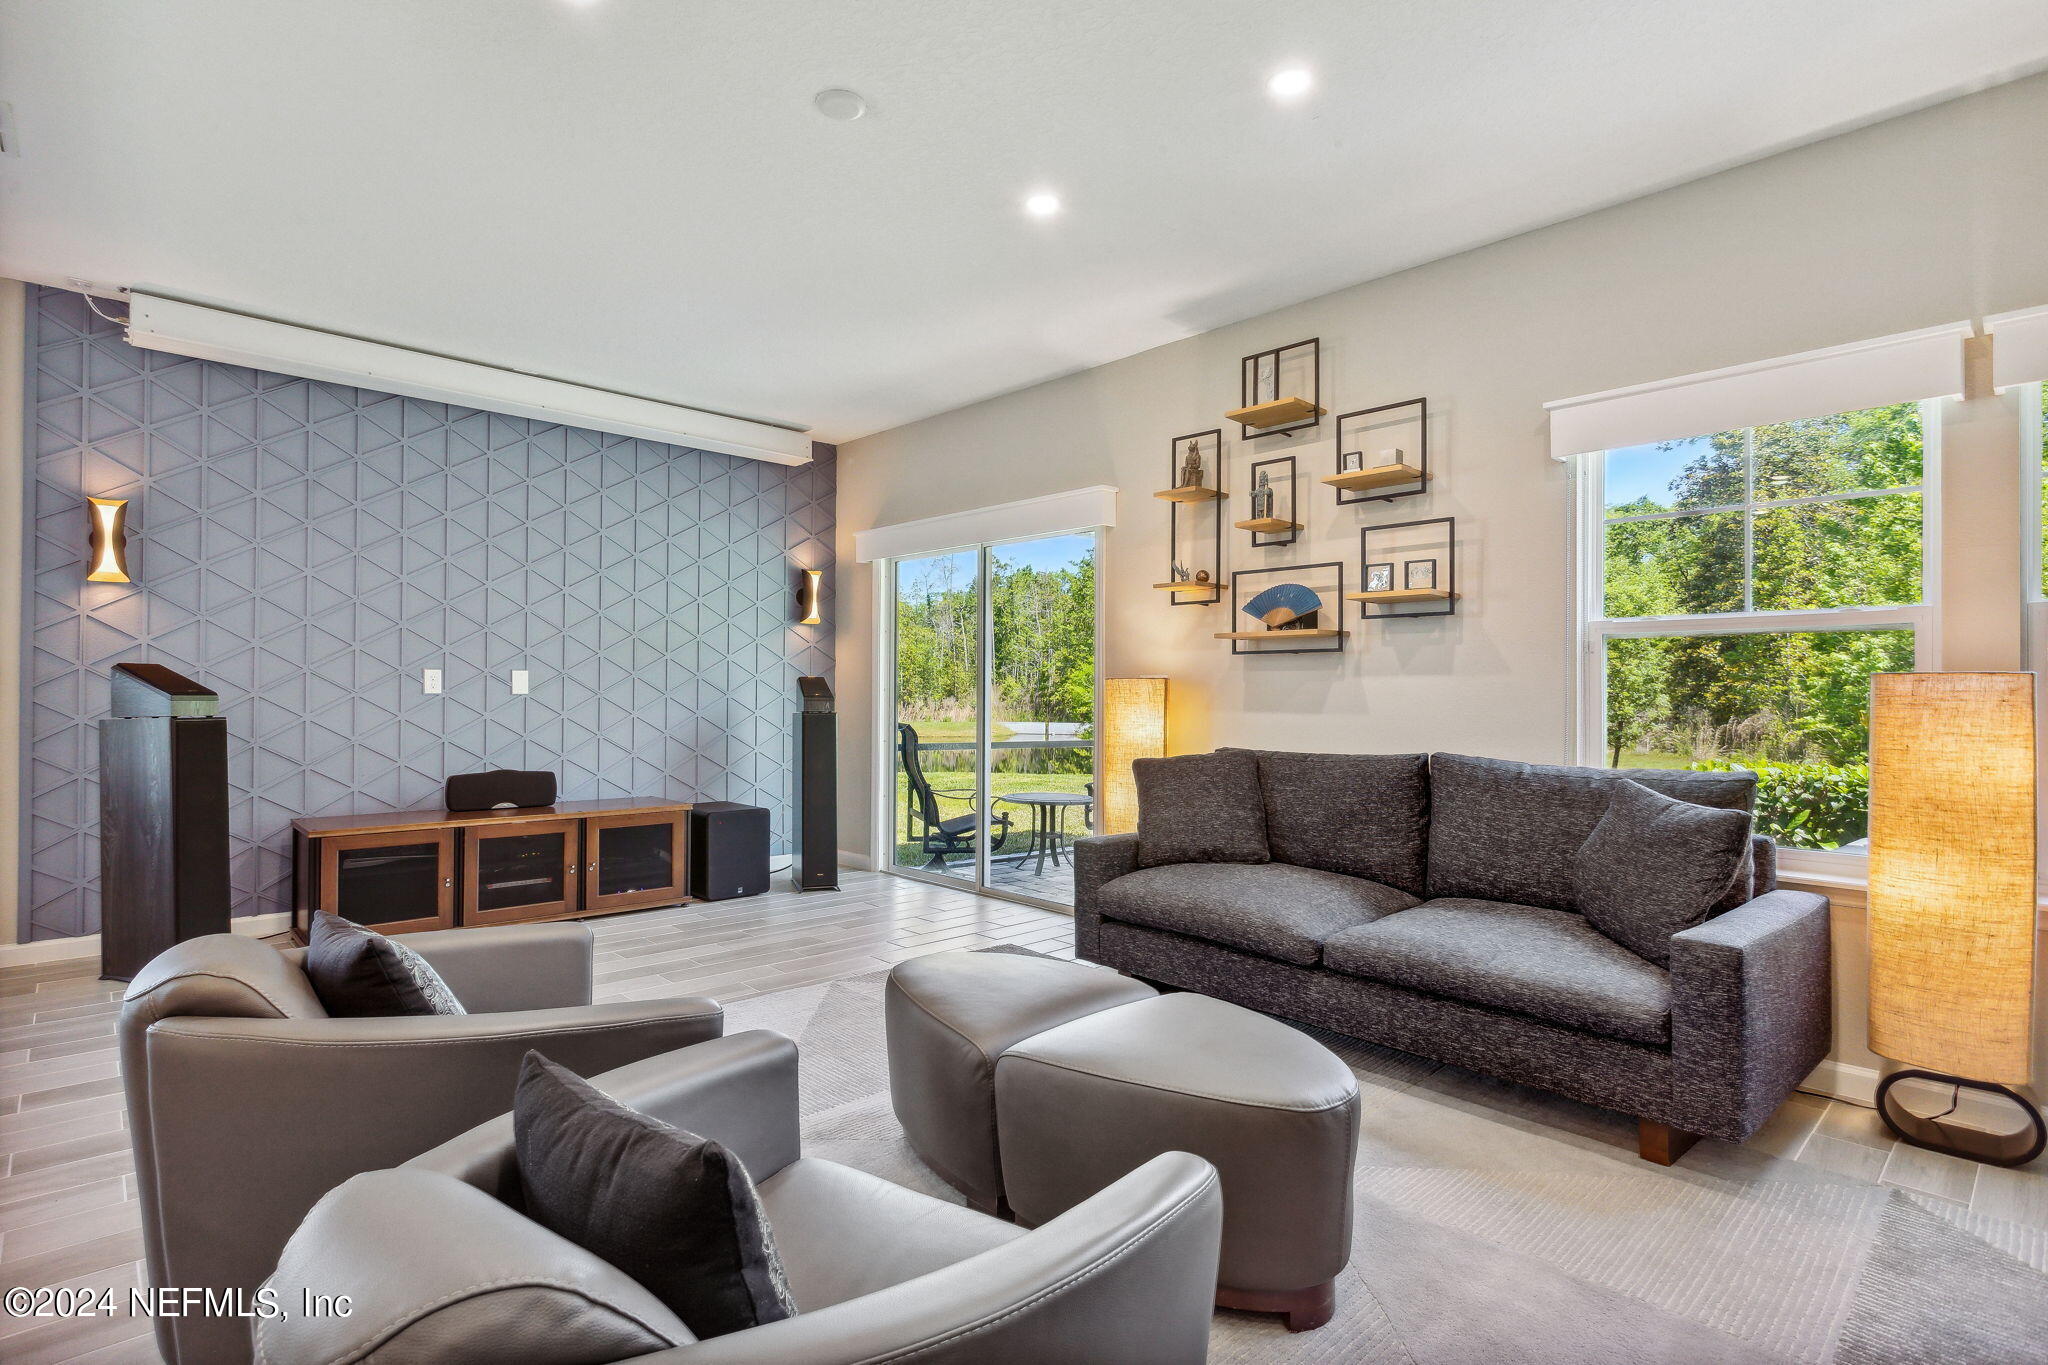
(1133, 726)
(1952, 880)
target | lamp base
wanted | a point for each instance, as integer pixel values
(1976, 1144)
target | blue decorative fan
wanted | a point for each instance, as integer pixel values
(1283, 604)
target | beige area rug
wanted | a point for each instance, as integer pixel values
(1496, 1223)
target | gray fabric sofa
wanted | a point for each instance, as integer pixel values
(1424, 902)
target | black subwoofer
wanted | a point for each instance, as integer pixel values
(728, 850)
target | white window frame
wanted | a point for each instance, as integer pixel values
(1592, 630)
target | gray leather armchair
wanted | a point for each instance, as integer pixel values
(247, 1102)
(879, 1272)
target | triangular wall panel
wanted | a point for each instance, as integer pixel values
(319, 545)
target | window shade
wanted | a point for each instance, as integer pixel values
(1077, 510)
(1866, 374)
(2019, 346)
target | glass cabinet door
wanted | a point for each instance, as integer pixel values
(519, 871)
(394, 883)
(633, 861)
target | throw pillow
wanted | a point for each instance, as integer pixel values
(1200, 808)
(359, 973)
(1654, 866)
(675, 1211)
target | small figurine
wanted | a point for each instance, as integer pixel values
(1191, 466)
(1180, 572)
(1262, 499)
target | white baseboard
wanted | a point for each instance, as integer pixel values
(859, 862)
(88, 945)
(1841, 1081)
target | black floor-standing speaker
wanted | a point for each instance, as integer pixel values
(163, 817)
(817, 788)
(728, 850)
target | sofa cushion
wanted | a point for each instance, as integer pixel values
(1200, 808)
(1276, 910)
(1548, 964)
(1364, 815)
(1507, 831)
(1654, 866)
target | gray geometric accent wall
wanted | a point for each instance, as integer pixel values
(306, 549)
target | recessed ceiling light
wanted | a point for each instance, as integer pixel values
(844, 105)
(1042, 205)
(1290, 84)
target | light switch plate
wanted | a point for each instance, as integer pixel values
(519, 677)
(430, 680)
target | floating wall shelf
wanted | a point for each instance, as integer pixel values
(1277, 413)
(1271, 526)
(1396, 437)
(1276, 516)
(1281, 634)
(1397, 595)
(1270, 389)
(1195, 469)
(1383, 476)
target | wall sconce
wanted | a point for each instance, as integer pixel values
(107, 561)
(809, 595)
(1133, 726)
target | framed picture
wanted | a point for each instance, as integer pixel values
(1379, 578)
(1419, 573)
(1350, 461)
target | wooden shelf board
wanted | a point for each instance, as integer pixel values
(1193, 492)
(1401, 595)
(1381, 476)
(1279, 412)
(1268, 525)
(1279, 634)
(1190, 587)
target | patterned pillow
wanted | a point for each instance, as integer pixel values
(358, 973)
(1200, 808)
(1653, 867)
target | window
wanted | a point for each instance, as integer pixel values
(1738, 589)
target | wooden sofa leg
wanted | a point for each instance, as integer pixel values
(1306, 1309)
(1661, 1143)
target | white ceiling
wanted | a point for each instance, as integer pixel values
(638, 193)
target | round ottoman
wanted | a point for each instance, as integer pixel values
(949, 1016)
(1083, 1103)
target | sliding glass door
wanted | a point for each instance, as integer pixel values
(993, 743)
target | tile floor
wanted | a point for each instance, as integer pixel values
(67, 1198)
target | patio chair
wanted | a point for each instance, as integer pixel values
(935, 835)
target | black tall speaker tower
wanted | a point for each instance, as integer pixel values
(817, 788)
(163, 817)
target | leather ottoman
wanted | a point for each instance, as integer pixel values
(949, 1017)
(1083, 1103)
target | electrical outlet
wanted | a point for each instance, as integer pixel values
(430, 680)
(519, 677)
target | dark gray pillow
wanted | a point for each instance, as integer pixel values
(1364, 815)
(358, 973)
(1505, 831)
(1654, 866)
(1200, 808)
(675, 1211)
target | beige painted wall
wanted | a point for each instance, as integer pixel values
(1925, 219)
